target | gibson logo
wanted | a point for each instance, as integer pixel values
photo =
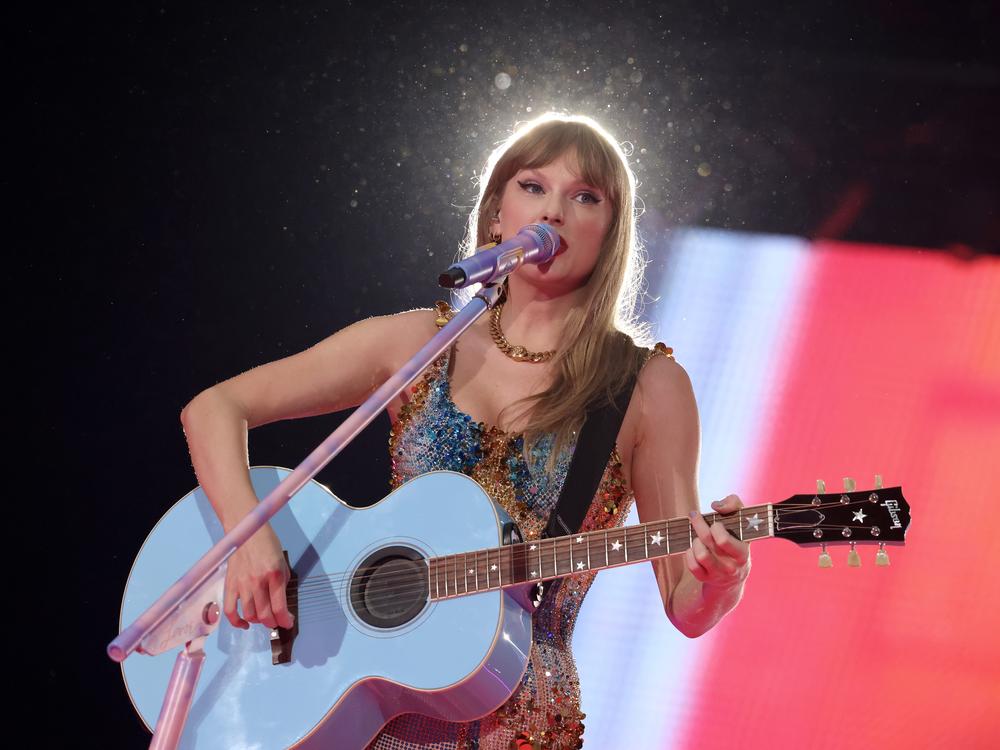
(893, 507)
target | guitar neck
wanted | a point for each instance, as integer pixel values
(558, 557)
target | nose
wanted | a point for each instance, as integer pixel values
(553, 212)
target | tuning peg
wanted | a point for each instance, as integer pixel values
(825, 561)
(820, 490)
(848, 484)
(853, 558)
(882, 557)
(878, 481)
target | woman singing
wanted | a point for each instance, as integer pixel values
(505, 407)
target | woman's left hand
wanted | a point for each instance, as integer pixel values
(716, 557)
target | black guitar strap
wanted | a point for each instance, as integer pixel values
(593, 449)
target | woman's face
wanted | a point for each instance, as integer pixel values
(555, 194)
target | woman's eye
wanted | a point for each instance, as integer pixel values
(593, 199)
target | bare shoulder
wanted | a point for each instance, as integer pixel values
(410, 330)
(423, 317)
(417, 320)
(666, 396)
(662, 373)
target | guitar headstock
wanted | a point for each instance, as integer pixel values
(878, 516)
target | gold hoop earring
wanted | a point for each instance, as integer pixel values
(497, 238)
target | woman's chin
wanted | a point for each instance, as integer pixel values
(544, 276)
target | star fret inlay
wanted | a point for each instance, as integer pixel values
(754, 521)
(579, 565)
(656, 538)
(616, 545)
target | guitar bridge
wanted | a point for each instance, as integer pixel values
(282, 638)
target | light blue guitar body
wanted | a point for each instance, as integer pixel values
(457, 659)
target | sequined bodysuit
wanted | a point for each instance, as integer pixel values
(432, 433)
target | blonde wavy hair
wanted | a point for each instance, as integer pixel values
(604, 341)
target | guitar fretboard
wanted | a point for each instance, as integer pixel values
(546, 559)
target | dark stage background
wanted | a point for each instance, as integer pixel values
(236, 184)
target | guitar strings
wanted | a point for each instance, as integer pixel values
(321, 587)
(673, 534)
(562, 546)
(427, 585)
(449, 576)
(328, 602)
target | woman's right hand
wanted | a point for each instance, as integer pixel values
(256, 579)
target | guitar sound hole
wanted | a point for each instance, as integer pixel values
(390, 587)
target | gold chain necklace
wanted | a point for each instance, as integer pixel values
(516, 352)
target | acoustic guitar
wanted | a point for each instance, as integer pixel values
(419, 603)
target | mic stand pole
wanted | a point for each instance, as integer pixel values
(189, 610)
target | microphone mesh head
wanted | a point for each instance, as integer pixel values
(546, 237)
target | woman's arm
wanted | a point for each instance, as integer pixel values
(336, 373)
(701, 586)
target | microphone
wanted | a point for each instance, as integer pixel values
(535, 243)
